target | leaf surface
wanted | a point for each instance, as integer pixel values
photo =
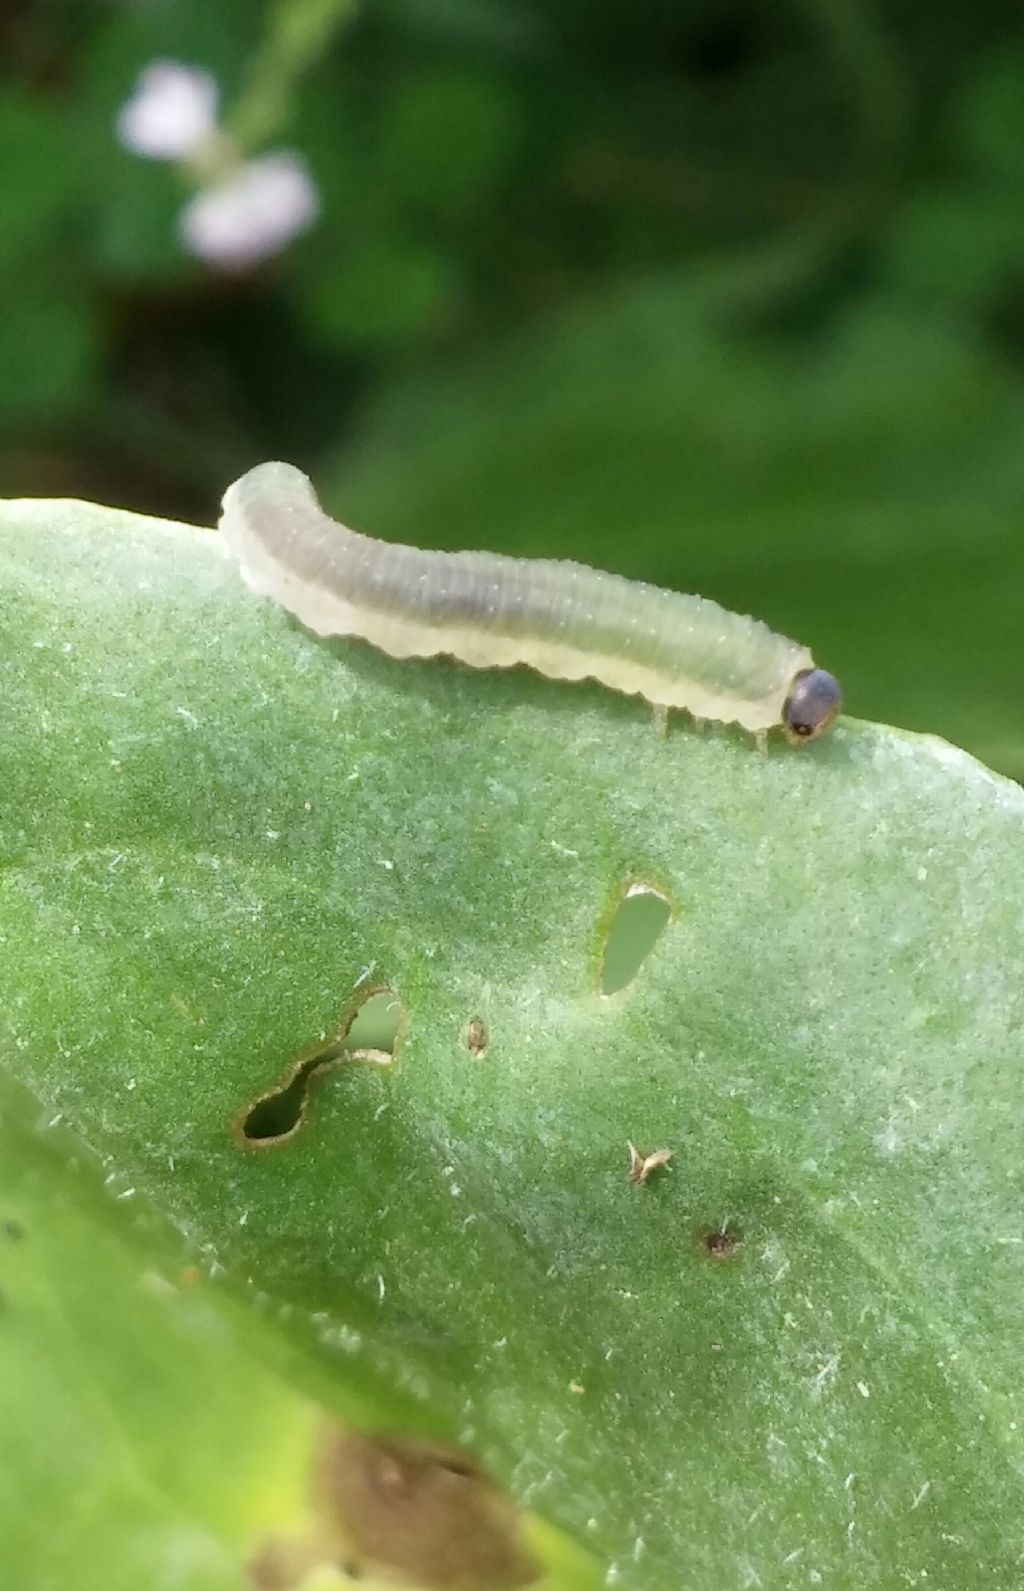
(789, 1357)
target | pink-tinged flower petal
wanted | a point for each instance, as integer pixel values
(253, 213)
(173, 109)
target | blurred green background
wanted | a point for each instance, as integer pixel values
(723, 294)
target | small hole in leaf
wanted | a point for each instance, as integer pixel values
(721, 1242)
(375, 1024)
(640, 919)
(370, 1035)
(476, 1036)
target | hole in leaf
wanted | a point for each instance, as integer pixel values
(640, 919)
(275, 1116)
(476, 1036)
(375, 1024)
(721, 1242)
(370, 1035)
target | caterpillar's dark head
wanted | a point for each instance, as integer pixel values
(813, 702)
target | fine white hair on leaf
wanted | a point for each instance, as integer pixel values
(172, 110)
(253, 213)
(491, 611)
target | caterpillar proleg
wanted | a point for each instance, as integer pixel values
(491, 611)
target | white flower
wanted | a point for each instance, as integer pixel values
(173, 109)
(252, 213)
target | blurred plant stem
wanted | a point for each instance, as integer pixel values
(756, 279)
(862, 42)
(297, 33)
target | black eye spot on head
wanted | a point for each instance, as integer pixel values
(813, 702)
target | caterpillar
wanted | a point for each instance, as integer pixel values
(563, 619)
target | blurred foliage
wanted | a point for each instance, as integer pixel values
(723, 294)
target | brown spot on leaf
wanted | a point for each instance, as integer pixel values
(721, 1242)
(476, 1036)
(422, 1511)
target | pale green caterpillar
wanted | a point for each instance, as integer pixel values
(563, 619)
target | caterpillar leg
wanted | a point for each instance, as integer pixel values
(661, 720)
(761, 741)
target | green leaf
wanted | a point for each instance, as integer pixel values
(136, 222)
(143, 1439)
(447, 138)
(791, 1355)
(40, 171)
(140, 1440)
(955, 246)
(384, 293)
(49, 353)
(987, 118)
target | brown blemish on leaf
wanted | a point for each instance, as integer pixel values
(420, 1511)
(641, 1166)
(720, 1242)
(476, 1036)
(247, 1128)
(281, 1565)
